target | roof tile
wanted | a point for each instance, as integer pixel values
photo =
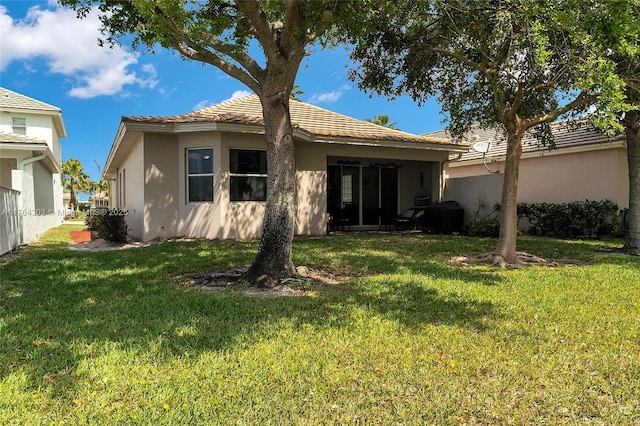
(10, 99)
(566, 134)
(305, 117)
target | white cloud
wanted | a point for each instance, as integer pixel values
(202, 105)
(238, 94)
(328, 97)
(69, 46)
(235, 95)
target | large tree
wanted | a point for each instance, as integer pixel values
(620, 38)
(75, 179)
(520, 64)
(220, 33)
(631, 122)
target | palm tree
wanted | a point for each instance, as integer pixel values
(296, 92)
(97, 189)
(75, 179)
(102, 186)
(382, 120)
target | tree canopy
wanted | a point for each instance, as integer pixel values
(382, 120)
(225, 33)
(520, 64)
(74, 179)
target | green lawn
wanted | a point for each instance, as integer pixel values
(116, 338)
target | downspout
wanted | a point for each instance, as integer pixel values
(31, 160)
(442, 180)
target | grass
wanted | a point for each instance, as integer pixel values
(114, 338)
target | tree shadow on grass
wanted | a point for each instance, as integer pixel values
(59, 309)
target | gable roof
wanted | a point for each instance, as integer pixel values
(11, 101)
(567, 135)
(310, 123)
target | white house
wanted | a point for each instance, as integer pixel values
(30, 168)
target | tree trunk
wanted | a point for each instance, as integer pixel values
(273, 260)
(508, 209)
(632, 131)
(72, 196)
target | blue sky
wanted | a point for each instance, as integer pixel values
(49, 55)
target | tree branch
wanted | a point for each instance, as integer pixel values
(190, 49)
(458, 57)
(260, 24)
(581, 100)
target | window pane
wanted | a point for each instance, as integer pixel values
(200, 161)
(200, 188)
(248, 161)
(248, 188)
(19, 125)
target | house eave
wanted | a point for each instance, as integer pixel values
(51, 161)
(615, 144)
(385, 143)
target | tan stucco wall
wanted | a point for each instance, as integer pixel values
(198, 219)
(239, 220)
(560, 178)
(133, 168)
(156, 185)
(161, 186)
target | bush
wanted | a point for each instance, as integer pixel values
(109, 224)
(590, 218)
(487, 225)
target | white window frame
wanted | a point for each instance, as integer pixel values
(19, 125)
(188, 175)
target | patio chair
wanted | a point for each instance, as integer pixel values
(410, 219)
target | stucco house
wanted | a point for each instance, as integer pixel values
(585, 164)
(203, 174)
(30, 168)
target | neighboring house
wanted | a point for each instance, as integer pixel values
(30, 168)
(99, 200)
(203, 174)
(584, 165)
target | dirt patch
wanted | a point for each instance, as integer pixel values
(10, 255)
(307, 281)
(83, 236)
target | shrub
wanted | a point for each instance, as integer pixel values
(590, 218)
(487, 225)
(109, 224)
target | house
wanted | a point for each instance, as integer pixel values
(30, 168)
(99, 200)
(203, 174)
(585, 164)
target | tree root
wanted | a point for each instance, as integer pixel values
(522, 259)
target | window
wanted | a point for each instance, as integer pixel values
(19, 125)
(199, 175)
(248, 175)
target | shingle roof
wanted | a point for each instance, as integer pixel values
(308, 118)
(10, 99)
(14, 138)
(564, 133)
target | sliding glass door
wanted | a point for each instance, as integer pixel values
(362, 194)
